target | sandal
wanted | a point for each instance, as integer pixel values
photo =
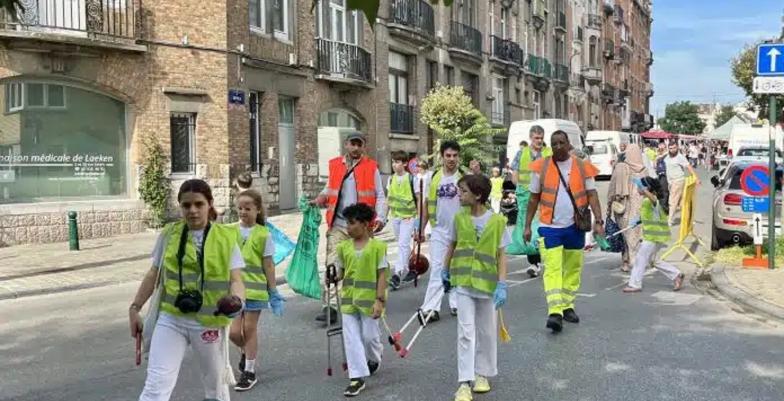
(630, 290)
(625, 268)
(678, 282)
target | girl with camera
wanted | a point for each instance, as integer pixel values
(258, 248)
(197, 265)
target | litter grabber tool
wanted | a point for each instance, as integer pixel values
(418, 263)
(393, 338)
(422, 319)
(333, 330)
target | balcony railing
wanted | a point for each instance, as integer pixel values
(609, 49)
(592, 74)
(560, 23)
(594, 21)
(466, 38)
(94, 19)
(401, 118)
(562, 73)
(415, 14)
(506, 50)
(343, 60)
(540, 66)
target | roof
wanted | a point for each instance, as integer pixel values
(723, 133)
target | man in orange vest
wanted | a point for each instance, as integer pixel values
(561, 243)
(353, 178)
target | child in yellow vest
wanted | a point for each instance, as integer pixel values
(497, 190)
(402, 195)
(362, 265)
(655, 234)
(477, 273)
(258, 249)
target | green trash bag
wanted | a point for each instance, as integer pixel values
(302, 274)
(518, 245)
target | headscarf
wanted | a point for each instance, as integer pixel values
(633, 166)
(634, 158)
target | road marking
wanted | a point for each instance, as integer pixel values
(579, 294)
(516, 283)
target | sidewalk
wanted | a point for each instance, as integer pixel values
(35, 269)
(757, 290)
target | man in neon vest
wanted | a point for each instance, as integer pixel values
(522, 178)
(443, 203)
(562, 243)
(353, 178)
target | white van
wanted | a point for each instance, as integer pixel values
(520, 131)
(751, 136)
(605, 148)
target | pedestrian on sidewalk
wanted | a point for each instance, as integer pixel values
(243, 182)
(353, 178)
(656, 235)
(362, 266)
(497, 191)
(527, 155)
(476, 270)
(197, 262)
(443, 203)
(258, 249)
(562, 186)
(677, 166)
(624, 200)
(403, 207)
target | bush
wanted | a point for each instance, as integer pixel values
(154, 185)
(734, 256)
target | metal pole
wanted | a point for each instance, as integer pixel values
(73, 232)
(772, 195)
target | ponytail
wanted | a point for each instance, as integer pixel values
(212, 214)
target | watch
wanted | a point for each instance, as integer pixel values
(135, 306)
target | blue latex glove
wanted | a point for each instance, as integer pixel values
(276, 302)
(499, 297)
(445, 279)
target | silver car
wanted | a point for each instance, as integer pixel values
(731, 225)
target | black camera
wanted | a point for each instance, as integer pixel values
(188, 301)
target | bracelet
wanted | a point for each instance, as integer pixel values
(135, 306)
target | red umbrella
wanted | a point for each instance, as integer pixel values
(656, 135)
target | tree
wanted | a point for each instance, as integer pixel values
(451, 115)
(725, 114)
(682, 118)
(744, 69)
(368, 7)
(154, 188)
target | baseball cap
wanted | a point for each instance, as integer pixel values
(356, 135)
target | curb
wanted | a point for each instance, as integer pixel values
(741, 297)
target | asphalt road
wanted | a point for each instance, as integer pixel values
(657, 345)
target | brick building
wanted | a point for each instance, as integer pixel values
(270, 86)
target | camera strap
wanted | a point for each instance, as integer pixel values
(199, 254)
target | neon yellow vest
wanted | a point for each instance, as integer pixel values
(221, 241)
(654, 229)
(432, 197)
(474, 264)
(524, 170)
(651, 154)
(402, 203)
(360, 275)
(497, 188)
(253, 253)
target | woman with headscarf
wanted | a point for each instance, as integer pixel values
(624, 201)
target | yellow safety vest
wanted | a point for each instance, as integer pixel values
(432, 197)
(654, 228)
(402, 203)
(360, 275)
(253, 253)
(474, 263)
(497, 188)
(523, 168)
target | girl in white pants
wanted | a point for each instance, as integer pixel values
(645, 254)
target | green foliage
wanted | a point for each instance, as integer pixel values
(734, 256)
(367, 7)
(744, 69)
(154, 187)
(682, 118)
(725, 114)
(451, 115)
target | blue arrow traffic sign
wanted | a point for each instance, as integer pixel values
(770, 59)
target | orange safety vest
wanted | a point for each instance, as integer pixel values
(365, 177)
(548, 176)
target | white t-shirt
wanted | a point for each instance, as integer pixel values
(563, 215)
(237, 262)
(447, 206)
(694, 152)
(676, 167)
(479, 224)
(269, 246)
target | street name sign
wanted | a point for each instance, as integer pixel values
(755, 180)
(768, 85)
(770, 59)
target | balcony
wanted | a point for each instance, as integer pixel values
(465, 40)
(343, 62)
(507, 51)
(561, 74)
(649, 58)
(538, 13)
(648, 89)
(593, 75)
(91, 23)
(609, 49)
(540, 67)
(412, 19)
(625, 90)
(626, 39)
(608, 93)
(577, 81)
(560, 23)
(594, 21)
(401, 118)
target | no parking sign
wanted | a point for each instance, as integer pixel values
(755, 180)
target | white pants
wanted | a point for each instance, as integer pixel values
(167, 350)
(645, 255)
(362, 342)
(477, 338)
(404, 229)
(435, 288)
(496, 205)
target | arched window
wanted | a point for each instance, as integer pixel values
(593, 48)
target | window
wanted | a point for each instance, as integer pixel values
(537, 105)
(35, 95)
(15, 96)
(255, 131)
(341, 25)
(256, 14)
(497, 114)
(450, 75)
(471, 87)
(398, 78)
(432, 74)
(270, 16)
(504, 23)
(593, 44)
(286, 110)
(182, 127)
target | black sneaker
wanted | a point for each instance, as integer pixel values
(242, 363)
(571, 316)
(394, 282)
(323, 316)
(354, 388)
(453, 311)
(410, 277)
(246, 381)
(555, 323)
(433, 318)
(373, 367)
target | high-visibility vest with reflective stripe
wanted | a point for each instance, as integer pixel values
(651, 154)
(432, 196)
(496, 188)
(221, 241)
(253, 253)
(550, 181)
(524, 166)
(401, 198)
(654, 228)
(474, 262)
(360, 275)
(364, 176)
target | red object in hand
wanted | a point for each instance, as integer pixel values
(138, 348)
(418, 263)
(229, 304)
